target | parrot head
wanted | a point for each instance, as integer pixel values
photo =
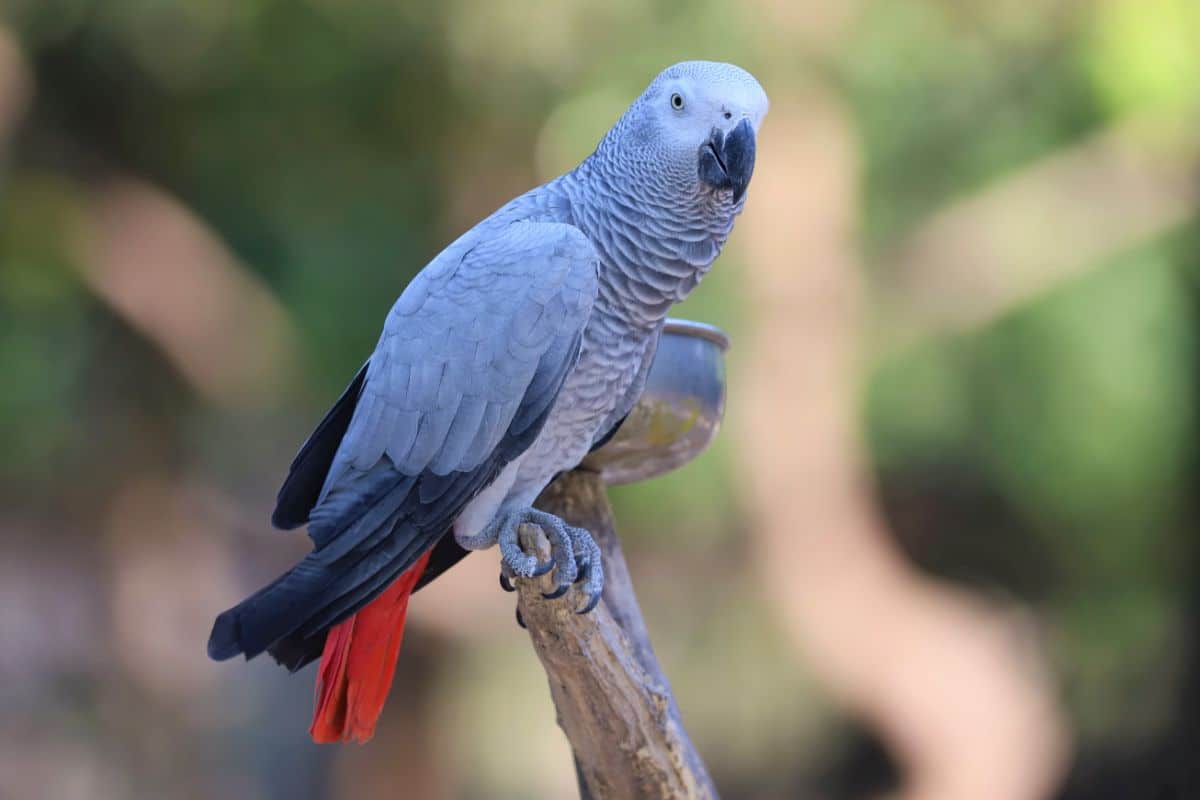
(693, 130)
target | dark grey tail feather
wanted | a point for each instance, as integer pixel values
(321, 591)
(285, 604)
(358, 584)
(360, 593)
(296, 651)
(330, 580)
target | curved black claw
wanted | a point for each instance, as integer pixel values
(521, 620)
(573, 553)
(591, 603)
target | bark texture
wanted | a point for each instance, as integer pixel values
(613, 701)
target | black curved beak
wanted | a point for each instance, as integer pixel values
(727, 159)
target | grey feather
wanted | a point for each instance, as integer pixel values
(524, 280)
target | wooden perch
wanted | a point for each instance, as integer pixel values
(613, 701)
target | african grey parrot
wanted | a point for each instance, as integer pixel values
(508, 357)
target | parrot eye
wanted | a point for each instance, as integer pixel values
(677, 101)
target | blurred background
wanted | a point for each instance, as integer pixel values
(944, 547)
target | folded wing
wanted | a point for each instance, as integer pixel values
(471, 361)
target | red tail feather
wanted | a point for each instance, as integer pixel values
(358, 663)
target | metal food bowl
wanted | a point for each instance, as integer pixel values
(679, 411)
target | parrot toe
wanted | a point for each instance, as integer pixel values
(574, 555)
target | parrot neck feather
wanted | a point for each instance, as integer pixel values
(655, 241)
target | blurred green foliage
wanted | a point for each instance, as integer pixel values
(1077, 409)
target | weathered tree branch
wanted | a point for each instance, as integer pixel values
(613, 701)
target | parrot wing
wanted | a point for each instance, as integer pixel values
(471, 361)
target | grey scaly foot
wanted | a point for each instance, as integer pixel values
(574, 554)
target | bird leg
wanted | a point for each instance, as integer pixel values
(574, 554)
